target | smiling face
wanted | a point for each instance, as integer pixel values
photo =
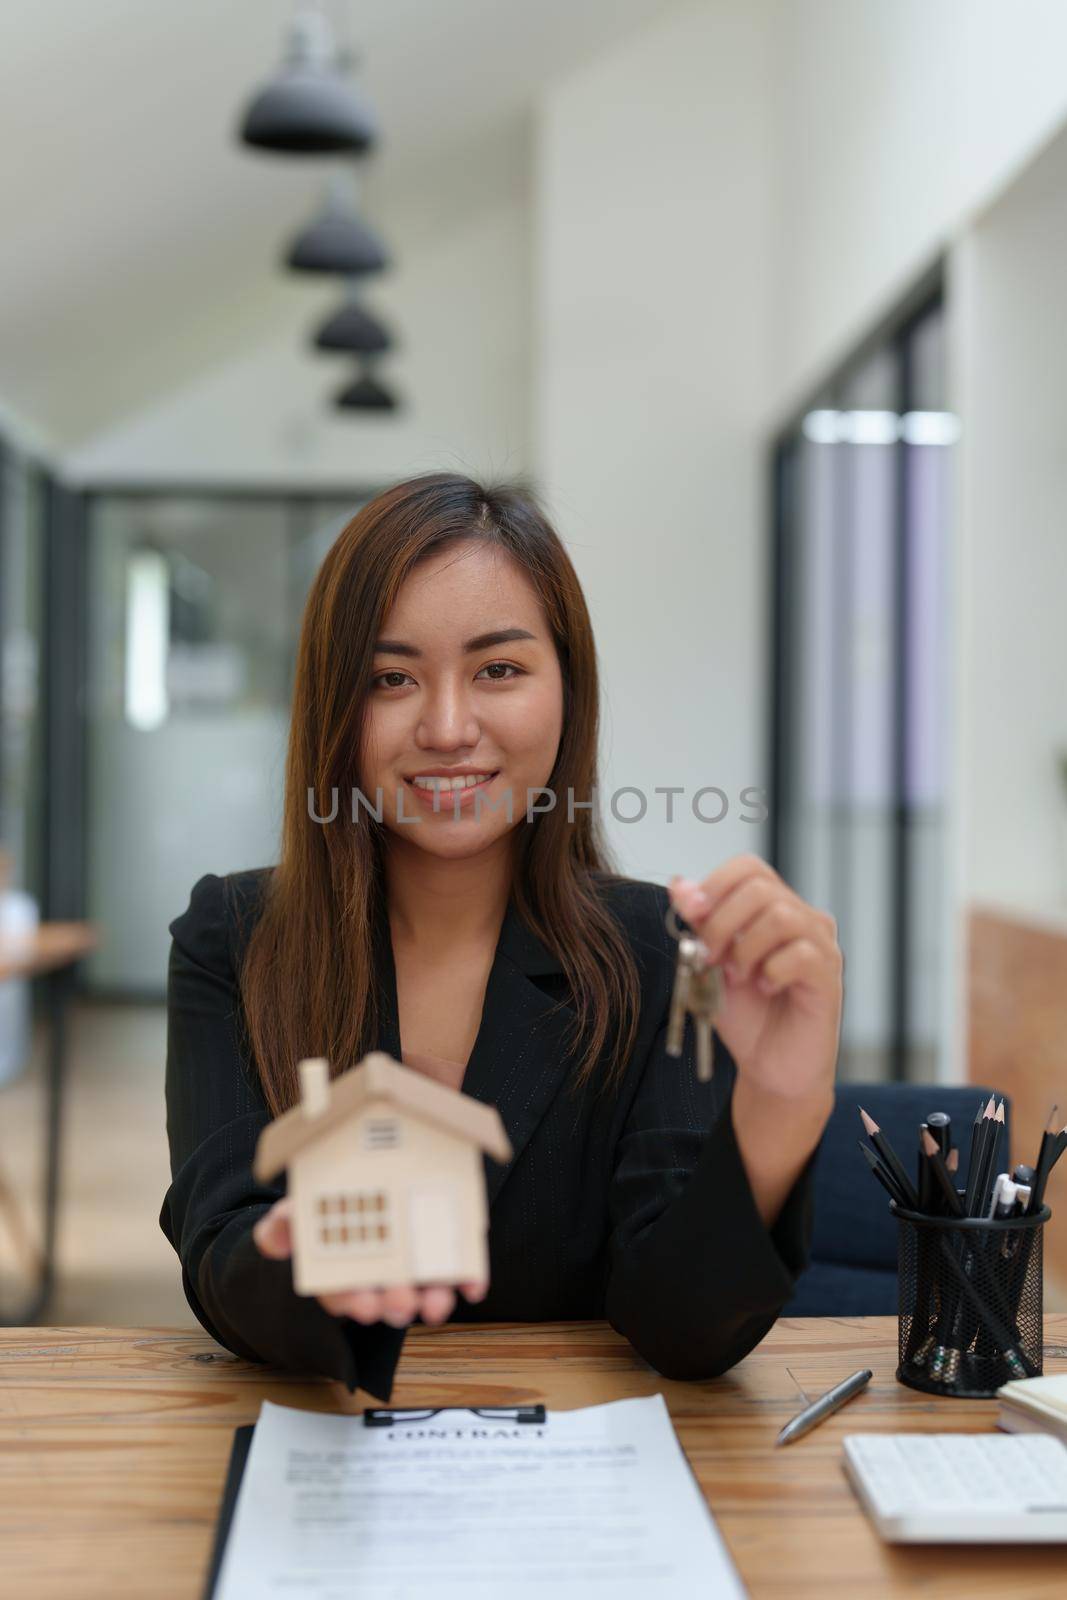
(466, 701)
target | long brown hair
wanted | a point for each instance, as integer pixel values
(307, 979)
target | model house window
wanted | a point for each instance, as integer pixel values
(359, 1218)
(381, 1133)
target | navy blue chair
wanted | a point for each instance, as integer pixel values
(853, 1271)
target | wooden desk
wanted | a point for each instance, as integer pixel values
(114, 1444)
(50, 953)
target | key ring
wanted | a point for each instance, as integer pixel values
(680, 929)
(675, 927)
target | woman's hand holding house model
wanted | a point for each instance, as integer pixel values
(386, 1213)
(398, 1306)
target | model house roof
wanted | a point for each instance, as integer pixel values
(378, 1078)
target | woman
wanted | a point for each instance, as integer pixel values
(446, 676)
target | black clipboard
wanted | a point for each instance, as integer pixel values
(390, 1416)
(242, 1443)
(373, 1417)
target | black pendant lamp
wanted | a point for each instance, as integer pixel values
(310, 108)
(365, 393)
(353, 330)
(337, 240)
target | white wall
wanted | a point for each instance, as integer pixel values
(726, 204)
(896, 121)
(459, 302)
(652, 228)
(1008, 282)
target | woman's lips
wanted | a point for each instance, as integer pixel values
(445, 801)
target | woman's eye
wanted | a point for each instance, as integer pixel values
(495, 672)
(500, 671)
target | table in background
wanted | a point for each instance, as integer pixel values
(50, 954)
(114, 1445)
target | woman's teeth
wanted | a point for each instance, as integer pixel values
(448, 784)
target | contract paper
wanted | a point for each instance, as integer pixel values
(595, 1501)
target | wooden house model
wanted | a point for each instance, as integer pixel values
(386, 1175)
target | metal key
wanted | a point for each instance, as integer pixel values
(690, 954)
(703, 1000)
(698, 992)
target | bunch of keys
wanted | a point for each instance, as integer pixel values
(698, 991)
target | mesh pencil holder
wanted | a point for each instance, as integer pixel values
(969, 1298)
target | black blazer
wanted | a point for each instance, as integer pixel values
(632, 1206)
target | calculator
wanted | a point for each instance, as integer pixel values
(961, 1488)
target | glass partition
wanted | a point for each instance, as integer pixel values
(195, 605)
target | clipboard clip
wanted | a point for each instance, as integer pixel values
(386, 1417)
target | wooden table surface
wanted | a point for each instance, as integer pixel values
(114, 1444)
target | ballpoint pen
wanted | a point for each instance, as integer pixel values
(824, 1407)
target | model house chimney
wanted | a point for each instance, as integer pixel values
(314, 1086)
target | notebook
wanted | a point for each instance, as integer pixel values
(1034, 1405)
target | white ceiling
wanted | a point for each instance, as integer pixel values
(131, 216)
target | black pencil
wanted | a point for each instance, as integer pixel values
(972, 1159)
(920, 1328)
(936, 1165)
(987, 1170)
(979, 1146)
(878, 1168)
(925, 1182)
(982, 1138)
(891, 1160)
(1049, 1153)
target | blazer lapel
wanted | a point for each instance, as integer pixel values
(520, 1058)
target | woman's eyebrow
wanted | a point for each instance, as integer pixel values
(483, 641)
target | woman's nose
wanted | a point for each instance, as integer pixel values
(447, 720)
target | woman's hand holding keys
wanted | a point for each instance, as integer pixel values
(779, 1014)
(397, 1305)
